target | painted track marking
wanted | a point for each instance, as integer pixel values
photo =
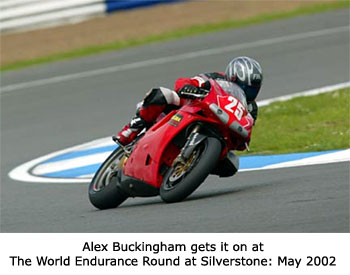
(174, 58)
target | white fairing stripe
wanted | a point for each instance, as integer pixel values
(171, 96)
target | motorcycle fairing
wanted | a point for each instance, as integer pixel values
(146, 158)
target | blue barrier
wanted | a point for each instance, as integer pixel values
(113, 5)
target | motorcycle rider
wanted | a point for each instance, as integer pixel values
(242, 71)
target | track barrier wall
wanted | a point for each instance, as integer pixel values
(21, 15)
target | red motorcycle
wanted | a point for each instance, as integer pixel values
(175, 155)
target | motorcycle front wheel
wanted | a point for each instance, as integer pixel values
(184, 178)
(104, 191)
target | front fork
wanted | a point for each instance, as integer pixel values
(193, 140)
(126, 149)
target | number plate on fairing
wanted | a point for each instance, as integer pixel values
(232, 106)
(230, 111)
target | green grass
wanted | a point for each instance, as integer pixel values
(304, 124)
(190, 31)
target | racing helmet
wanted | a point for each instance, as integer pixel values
(247, 74)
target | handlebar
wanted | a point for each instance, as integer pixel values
(203, 95)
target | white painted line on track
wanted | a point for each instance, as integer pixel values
(312, 92)
(87, 177)
(336, 157)
(341, 156)
(174, 58)
(21, 173)
(70, 164)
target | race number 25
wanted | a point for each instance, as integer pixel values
(239, 110)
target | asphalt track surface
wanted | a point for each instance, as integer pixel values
(37, 120)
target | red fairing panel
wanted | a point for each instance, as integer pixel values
(146, 158)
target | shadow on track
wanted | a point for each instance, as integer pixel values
(198, 195)
(156, 200)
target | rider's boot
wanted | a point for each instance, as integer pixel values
(131, 130)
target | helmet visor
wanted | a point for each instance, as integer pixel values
(251, 92)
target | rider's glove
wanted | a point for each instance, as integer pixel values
(190, 91)
(206, 86)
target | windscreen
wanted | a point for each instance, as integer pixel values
(234, 90)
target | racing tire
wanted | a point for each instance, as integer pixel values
(104, 192)
(208, 151)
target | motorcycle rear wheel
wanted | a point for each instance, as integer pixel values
(177, 184)
(104, 192)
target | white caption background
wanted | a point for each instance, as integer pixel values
(292, 246)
